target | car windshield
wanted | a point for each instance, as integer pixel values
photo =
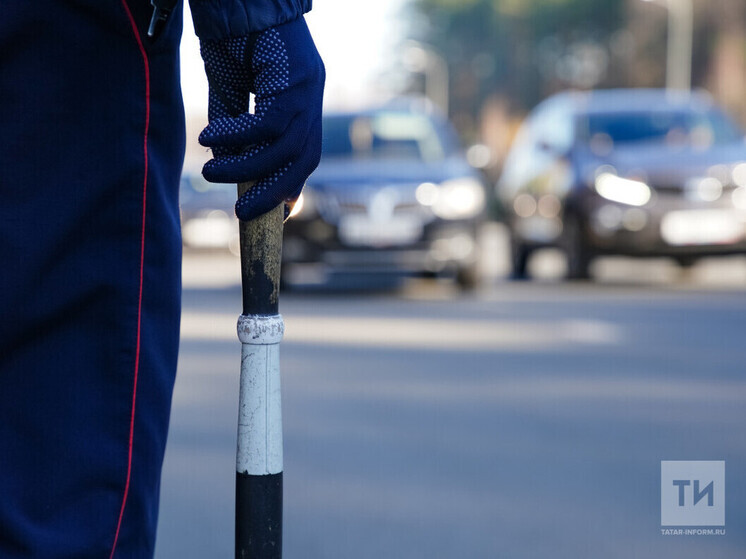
(383, 135)
(194, 186)
(199, 184)
(675, 128)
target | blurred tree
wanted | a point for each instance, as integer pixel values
(519, 49)
(504, 56)
(719, 49)
(724, 72)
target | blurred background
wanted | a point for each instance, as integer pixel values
(515, 284)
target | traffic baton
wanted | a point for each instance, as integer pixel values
(260, 330)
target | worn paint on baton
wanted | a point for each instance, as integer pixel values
(259, 460)
(261, 254)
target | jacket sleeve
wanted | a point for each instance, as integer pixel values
(219, 19)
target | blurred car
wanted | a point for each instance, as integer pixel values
(208, 221)
(628, 172)
(393, 194)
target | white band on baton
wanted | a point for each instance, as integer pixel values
(257, 329)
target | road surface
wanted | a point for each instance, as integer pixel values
(524, 420)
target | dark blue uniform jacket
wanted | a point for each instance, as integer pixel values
(92, 140)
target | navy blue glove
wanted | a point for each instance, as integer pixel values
(279, 144)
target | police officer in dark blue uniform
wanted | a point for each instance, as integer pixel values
(92, 129)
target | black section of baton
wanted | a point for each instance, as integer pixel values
(258, 516)
(259, 291)
(261, 254)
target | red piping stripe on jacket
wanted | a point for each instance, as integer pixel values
(146, 67)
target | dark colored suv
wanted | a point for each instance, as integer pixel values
(633, 172)
(393, 194)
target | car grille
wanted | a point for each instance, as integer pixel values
(392, 200)
(668, 188)
(679, 190)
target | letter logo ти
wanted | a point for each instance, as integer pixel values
(708, 490)
(681, 484)
(684, 486)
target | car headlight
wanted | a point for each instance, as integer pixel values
(453, 199)
(624, 191)
(304, 206)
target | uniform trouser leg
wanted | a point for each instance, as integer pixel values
(91, 124)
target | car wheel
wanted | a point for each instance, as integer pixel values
(467, 277)
(579, 254)
(285, 285)
(686, 262)
(519, 256)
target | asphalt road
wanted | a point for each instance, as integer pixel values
(524, 420)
